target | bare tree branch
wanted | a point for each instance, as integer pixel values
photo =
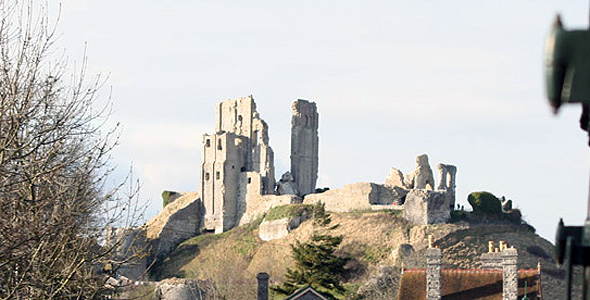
(55, 150)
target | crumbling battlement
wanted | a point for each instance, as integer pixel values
(413, 193)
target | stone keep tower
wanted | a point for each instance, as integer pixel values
(236, 153)
(304, 146)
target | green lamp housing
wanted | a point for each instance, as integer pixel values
(567, 65)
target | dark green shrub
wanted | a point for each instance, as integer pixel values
(485, 203)
(458, 216)
(166, 197)
(321, 190)
(514, 216)
(288, 211)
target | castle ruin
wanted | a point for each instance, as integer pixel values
(238, 162)
(237, 182)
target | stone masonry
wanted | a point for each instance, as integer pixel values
(502, 259)
(427, 207)
(304, 146)
(493, 258)
(509, 274)
(238, 151)
(433, 274)
(178, 221)
(237, 169)
(446, 175)
(237, 178)
(421, 177)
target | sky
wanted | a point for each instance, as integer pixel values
(461, 81)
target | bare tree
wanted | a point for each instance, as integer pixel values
(54, 162)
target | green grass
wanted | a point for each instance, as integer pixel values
(287, 211)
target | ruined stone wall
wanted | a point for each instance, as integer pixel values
(223, 161)
(446, 175)
(239, 116)
(421, 177)
(427, 207)
(235, 158)
(177, 222)
(356, 196)
(235, 116)
(304, 146)
(262, 157)
(258, 205)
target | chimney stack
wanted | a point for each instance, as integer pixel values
(509, 273)
(492, 259)
(262, 286)
(433, 272)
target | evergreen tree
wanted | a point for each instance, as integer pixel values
(316, 264)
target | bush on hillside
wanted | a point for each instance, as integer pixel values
(315, 261)
(514, 216)
(288, 211)
(166, 197)
(485, 203)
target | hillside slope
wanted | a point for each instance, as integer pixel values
(233, 259)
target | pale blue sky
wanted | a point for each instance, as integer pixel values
(458, 80)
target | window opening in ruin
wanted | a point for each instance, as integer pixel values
(206, 176)
(249, 180)
(217, 175)
(243, 169)
(255, 138)
(208, 143)
(219, 144)
(233, 167)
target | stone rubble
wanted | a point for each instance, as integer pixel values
(287, 185)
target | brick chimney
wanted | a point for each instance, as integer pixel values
(262, 286)
(509, 273)
(433, 272)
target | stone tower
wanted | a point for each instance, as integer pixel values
(304, 146)
(237, 155)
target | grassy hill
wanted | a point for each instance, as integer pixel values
(233, 259)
